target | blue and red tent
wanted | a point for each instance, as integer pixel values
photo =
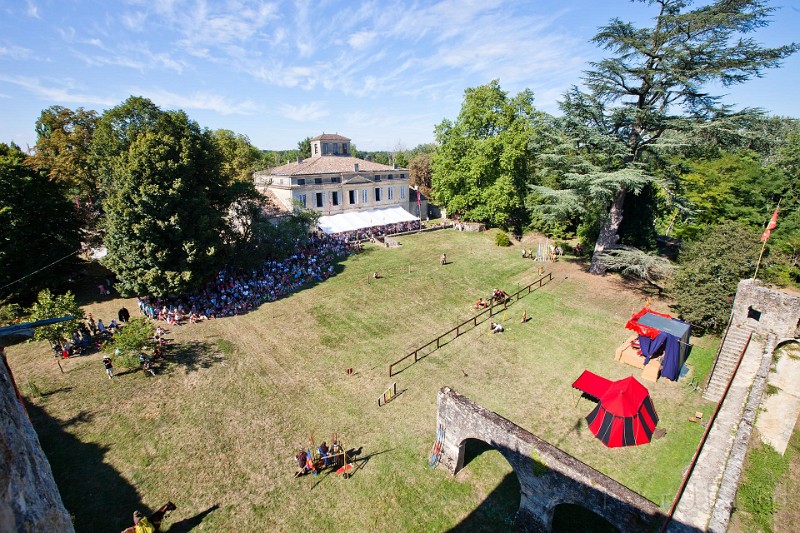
(659, 333)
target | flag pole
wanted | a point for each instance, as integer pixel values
(759, 259)
(763, 246)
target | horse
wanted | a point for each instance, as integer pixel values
(156, 518)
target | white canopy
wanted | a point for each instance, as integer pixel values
(364, 219)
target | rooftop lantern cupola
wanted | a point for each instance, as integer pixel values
(330, 144)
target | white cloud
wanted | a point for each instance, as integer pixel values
(303, 22)
(137, 56)
(67, 33)
(134, 21)
(361, 39)
(304, 113)
(443, 47)
(198, 100)
(217, 23)
(60, 91)
(15, 52)
(32, 9)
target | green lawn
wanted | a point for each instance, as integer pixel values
(216, 430)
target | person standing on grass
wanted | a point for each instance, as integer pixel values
(91, 324)
(123, 314)
(443, 259)
(109, 366)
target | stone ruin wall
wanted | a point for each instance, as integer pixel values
(779, 311)
(29, 497)
(547, 476)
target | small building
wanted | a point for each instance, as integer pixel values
(333, 182)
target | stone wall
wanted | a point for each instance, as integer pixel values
(29, 498)
(766, 311)
(547, 476)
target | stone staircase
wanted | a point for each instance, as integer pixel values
(736, 340)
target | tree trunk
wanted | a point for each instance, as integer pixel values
(608, 237)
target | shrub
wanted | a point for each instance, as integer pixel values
(10, 314)
(501, 239)
(711, 268)
(130, 340)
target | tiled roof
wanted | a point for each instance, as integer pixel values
(273, 206)
(329, 164)
(330, 137)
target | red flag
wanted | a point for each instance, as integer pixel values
(773, 223)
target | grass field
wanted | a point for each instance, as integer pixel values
(216, 431)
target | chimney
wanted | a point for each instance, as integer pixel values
(394, 166)
(299, 159)
(355, 167)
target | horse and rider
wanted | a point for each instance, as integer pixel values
(499, 295)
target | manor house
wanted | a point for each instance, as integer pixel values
(333, 182)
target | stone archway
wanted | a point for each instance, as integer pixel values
(499, 483)
(547, 476)
(574, 517)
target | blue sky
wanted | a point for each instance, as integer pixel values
(380, 72)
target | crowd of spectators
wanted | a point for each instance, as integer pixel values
(235, 293)
(370, 234)
(89, 336)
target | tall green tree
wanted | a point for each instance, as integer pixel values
(239, 158)
(116, 130)
(481, 168)
(784, 243)
(166, 199)
(40, 228)
(711, 267)
(656, 81)
(63, 149)
(49, 305)
(304, 147)
(419, 170)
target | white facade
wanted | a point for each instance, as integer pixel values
(332, 182)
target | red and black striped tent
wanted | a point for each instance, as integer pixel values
(625, 415)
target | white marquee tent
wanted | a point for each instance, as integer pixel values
(356, 220)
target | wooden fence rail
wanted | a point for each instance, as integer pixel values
(473, 322)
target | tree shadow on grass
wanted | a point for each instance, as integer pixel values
(188, 524)
(94, 493)
(192, 356)
(81, 418)
(55, 391)
(497, 511)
